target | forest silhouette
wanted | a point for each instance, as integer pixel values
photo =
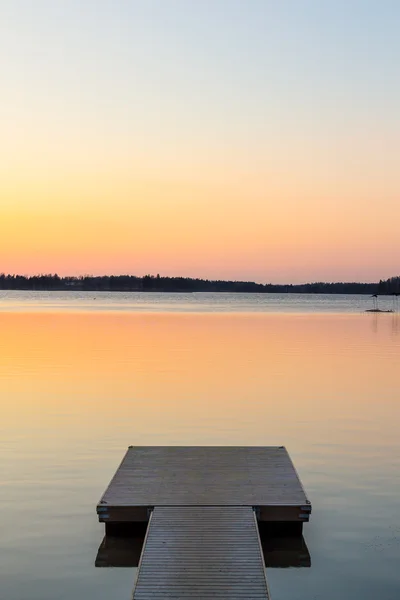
(157, 283)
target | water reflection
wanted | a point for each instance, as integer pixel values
(395, 324)
(385, 322)
(120, 551)
(191, 376)
(76, 389)
(285, 552)
(200, 302)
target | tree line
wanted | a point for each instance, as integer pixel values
(157, 283)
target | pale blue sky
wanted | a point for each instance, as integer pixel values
(241, 69)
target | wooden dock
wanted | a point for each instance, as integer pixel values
(279, 552)
(202, 505)
(202, 552)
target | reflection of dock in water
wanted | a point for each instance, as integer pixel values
(278, 552)
(121, 551)
(204, 508)
(285, 552)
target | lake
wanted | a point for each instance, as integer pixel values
(84, 375)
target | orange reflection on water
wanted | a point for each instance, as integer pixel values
(164, 378)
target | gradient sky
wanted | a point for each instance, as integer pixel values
(226, 139)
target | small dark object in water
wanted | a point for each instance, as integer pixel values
(378, 310)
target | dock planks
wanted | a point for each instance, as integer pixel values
(262, 477)
(202, 553)
(202, 505)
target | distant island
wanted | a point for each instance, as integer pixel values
(157, 283)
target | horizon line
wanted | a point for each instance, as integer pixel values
(174, 277)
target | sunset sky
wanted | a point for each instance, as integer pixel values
(215, 138)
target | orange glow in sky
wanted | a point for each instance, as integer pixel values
(129, 147)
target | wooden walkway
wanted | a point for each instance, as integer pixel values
(263, 477)
(202, 553)
(202, 504)
(279, 552)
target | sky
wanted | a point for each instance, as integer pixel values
(255, 140)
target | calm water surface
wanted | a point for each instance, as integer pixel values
(82, 376)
